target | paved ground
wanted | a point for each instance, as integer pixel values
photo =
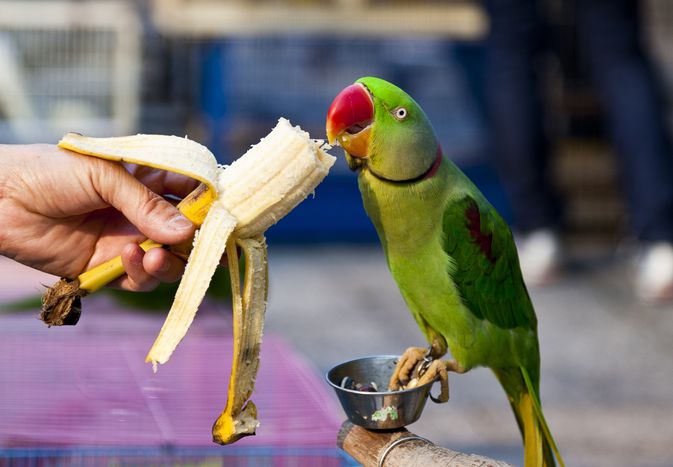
(607, 370)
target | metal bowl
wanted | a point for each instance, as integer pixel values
(377, 410)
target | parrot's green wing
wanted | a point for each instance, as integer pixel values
(486, 269)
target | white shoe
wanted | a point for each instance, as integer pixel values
(539, 256)
(654, 274)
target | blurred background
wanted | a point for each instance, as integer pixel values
(223, 72)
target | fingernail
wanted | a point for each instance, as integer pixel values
(180, 222)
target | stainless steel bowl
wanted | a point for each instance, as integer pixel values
(377, 410)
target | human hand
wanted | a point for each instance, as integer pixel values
(64, 213)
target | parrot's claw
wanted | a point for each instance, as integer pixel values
(413, 363)
(405, 367)
(437, 370)
(416, 367)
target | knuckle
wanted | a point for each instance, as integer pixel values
(153, 204)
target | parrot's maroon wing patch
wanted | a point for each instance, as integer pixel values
(482, 240)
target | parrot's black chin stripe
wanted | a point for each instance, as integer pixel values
(432, 170)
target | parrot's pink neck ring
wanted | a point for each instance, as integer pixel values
(424, 176)
(435, 166)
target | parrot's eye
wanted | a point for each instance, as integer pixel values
(400, 113)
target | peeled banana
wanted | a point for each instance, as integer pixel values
(234, 206)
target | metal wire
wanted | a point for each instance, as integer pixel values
(397, 442)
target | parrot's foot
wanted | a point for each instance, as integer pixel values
(452, 365)
(436, 370)
(409, 362)
(417, 367)
(414, 362)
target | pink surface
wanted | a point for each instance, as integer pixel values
(89, 385)
(19, 281)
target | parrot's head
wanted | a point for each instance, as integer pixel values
(383, 131)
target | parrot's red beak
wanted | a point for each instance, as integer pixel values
(349, 120)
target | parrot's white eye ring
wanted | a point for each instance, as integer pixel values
(400, 113)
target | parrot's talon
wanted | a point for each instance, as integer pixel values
(436, 400)
(437, 371)
(428, 353)
(424, 365)
(408, 367)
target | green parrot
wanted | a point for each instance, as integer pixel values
(451, 254)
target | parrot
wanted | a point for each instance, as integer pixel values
(450, 253)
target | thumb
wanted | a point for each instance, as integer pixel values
(155, 217)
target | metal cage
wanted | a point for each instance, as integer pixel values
(68, 66)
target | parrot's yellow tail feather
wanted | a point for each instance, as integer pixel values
(536, 451)
(539, 446)
(531, 399)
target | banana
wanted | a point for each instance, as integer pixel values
(234, 206)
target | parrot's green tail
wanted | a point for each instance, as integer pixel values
(539, 445)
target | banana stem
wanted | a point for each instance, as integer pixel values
(61, 303)
(103, 274)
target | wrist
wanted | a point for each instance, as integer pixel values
(5, 163)
(11, 156)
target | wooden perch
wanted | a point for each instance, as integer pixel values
(384, 448)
